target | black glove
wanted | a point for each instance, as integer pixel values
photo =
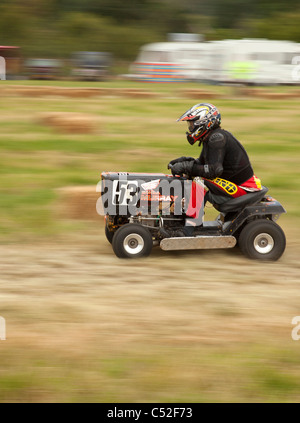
(181, 168)
(180, 159)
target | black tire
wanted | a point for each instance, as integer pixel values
(263, 240)
(132, 241)
(109, 234)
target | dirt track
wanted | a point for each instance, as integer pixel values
(181, 296)
(175, 326)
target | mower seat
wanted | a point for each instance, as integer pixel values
(224, 204)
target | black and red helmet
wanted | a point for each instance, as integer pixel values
(201, 119)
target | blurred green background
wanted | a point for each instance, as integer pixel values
(132, 134)
(56, 28)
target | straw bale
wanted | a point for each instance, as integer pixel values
(68, 122)
(79, 202)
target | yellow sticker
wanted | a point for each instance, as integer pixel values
(257, 181)
(227, 186)
(202, 107)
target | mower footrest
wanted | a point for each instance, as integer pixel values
(197, 243)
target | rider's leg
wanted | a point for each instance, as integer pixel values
(224, 188)
(195, 209)
(194, 196)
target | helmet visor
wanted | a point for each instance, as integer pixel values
(191, 126)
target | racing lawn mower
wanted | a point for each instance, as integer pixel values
(138, 206)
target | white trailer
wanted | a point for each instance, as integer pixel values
(171, 62)
(253, 61)
(257, 61)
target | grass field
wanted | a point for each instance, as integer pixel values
(84, 326)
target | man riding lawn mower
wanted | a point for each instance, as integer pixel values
(222, 175)
(223, 163)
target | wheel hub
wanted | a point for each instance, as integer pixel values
(133, 243)
(263, 243)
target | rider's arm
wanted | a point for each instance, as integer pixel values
(210, 164)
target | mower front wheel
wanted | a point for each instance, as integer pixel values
(132, 241)
(109, 234)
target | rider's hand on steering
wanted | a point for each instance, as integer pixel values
(180, 159)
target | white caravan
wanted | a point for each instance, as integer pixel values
(253, 61)
(257, 61)
(171, 62)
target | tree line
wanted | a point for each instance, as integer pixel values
(56, 28)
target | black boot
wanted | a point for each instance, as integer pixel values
(188, 230)
(171, 233)
(176, 232)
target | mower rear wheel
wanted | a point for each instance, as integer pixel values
(263, 240)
